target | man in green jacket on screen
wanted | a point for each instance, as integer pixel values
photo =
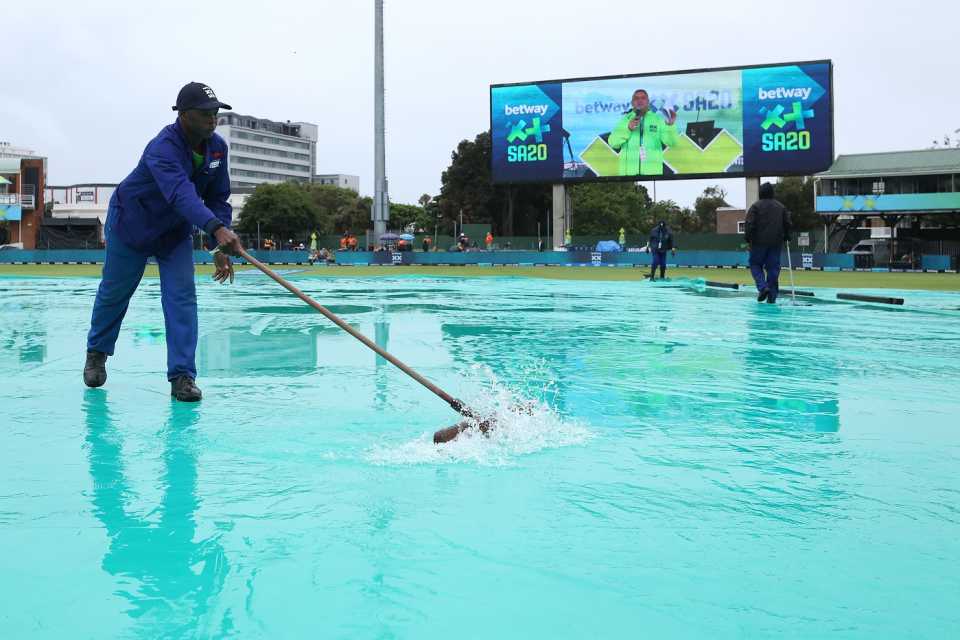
(641, 135)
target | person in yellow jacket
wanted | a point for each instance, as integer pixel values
(640, 136)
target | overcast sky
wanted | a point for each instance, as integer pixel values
(88, 84)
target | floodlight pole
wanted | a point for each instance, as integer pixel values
(381, 200)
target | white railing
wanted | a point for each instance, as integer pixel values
(9, 198)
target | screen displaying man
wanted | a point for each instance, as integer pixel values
(640, 136)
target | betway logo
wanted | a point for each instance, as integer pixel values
(526, 109)
(780, 93)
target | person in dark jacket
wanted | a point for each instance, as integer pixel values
(661, 241)
(180, 183)
(767, 228)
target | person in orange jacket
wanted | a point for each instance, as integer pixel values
(489, 240)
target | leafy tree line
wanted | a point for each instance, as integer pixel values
(292, 209)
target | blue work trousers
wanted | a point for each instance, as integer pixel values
(659, 259)
(122, 272)
(765, 268)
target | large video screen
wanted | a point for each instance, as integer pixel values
(773, 120)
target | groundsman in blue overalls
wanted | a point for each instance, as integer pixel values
(181, 183)
(661, 241)
(640, 136)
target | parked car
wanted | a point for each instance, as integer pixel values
(871, 251)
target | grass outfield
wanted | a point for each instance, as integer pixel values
(831, 279)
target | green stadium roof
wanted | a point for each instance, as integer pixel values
(892, 163)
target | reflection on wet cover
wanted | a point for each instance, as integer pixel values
(161, 566)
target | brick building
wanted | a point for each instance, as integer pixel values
(22, 181)
(730, 220)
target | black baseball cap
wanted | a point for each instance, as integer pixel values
(197, 95)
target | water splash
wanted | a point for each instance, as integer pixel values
(523, 426)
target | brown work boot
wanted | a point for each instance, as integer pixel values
(183, 389)
(95, 369)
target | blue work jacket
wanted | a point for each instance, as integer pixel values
(164, 198)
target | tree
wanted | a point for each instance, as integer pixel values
(467, 186)
(354, 216)
(796, 194)
(705, 208)
(284, 209)
(431, 214)
(603, 208)
(677, 218)
(292, 209)
(526, 205)
(403, 215)
(338, 210)
(422, 219)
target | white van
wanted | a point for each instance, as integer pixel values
(877, 248)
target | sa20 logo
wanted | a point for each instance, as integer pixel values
(785, 141)
(778, 117)
(520, 132)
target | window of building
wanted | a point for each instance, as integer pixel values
(239, 159)
(265, 151)
(846, 187)
(878, 188)
(945, 183)
(263, 175)
(282, 142)
(926, 184)
(741, 226)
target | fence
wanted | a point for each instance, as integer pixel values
(732, 259)
(684, 258)
(443, 242)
